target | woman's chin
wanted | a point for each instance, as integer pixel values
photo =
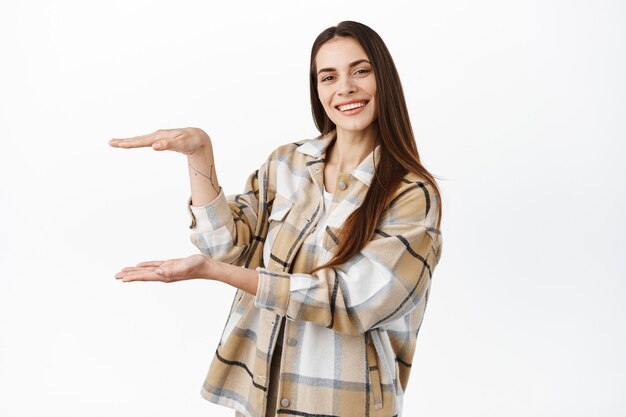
(354, 128)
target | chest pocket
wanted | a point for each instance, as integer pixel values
(273, 246)
(280, 208)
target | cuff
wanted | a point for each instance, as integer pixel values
(210, 216)
(273, 291)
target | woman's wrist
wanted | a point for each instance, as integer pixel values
(202, 173)
(205, 147)
(209, 268)
(204, 153)
(245, 279)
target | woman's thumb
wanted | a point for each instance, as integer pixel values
(160, 145)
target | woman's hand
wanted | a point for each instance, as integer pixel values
(194, 266)
(194, 143)
(188, 140)
(172, 270)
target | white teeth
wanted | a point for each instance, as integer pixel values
(352, 106)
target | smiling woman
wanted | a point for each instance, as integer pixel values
(332, 246)
(347, 91)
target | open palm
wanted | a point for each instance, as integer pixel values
(171, 270)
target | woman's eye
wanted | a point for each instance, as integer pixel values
(361, 71)
(327, 78)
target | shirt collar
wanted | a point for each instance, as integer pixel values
(317, 147)
(364, 172)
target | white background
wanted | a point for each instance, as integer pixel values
(519, 106)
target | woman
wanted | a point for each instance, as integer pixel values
(331, 246)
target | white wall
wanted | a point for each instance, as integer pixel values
(519, 105)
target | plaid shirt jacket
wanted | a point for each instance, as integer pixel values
(350, 331)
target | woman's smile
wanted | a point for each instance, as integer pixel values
(352, 107)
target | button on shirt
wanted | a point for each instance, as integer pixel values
(350, 330)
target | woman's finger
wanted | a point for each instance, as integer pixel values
(141, 276)
(134, 270)
(144, 140)
(149, 263)
(135, 142)
(137, 268)
(171, 143)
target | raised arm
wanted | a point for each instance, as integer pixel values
(203, 175)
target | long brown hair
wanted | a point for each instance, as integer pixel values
(398, 154)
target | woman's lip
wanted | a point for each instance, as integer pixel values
(352, 111)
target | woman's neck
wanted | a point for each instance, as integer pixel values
(350, 148)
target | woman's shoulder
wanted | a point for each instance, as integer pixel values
(286, 148)
(415, 197)
(412, 180)
(296, 149)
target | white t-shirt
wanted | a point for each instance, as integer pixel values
(327, 208)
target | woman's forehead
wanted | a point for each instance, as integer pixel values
(339, 52)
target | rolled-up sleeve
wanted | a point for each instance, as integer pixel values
(211, 216)
(223, 229)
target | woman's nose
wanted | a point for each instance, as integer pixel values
(346, 87)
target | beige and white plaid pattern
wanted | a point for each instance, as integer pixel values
(350, 331)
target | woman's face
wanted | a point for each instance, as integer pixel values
(346, 85)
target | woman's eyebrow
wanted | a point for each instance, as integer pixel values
(352, 64)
